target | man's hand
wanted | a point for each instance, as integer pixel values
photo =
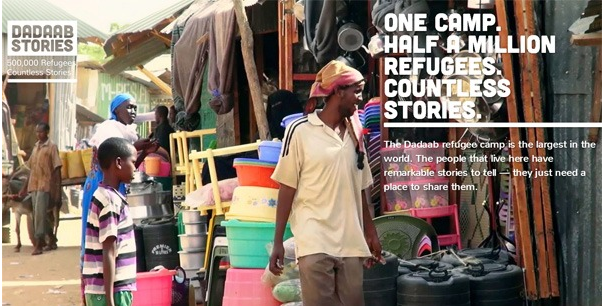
(374, 245)
(143, 144)
(152, 148)
(276, 261)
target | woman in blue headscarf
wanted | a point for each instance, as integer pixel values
(123, 110)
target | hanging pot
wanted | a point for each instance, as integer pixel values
(352, 59)
(350, 37)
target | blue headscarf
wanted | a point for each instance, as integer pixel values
(116, 102)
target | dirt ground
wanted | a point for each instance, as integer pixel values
(49, 279)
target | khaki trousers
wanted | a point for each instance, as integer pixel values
(331, 281)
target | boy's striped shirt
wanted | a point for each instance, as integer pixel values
(109, 216)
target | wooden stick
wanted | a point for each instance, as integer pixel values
(522, 228)
(251, 72)
(546, 209)
(529, 109)
(163, 86)
(590, 39)
(4, 83)
(285, 44)
(595, 113)
(163, 38)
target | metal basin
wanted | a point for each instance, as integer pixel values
(151, 205)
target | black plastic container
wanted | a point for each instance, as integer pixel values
(495, 284)
(437, 287)
(138, 239)
(160, 239)
(380, 282)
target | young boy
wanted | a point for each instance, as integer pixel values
(109, 270)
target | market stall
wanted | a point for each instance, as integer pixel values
(452, 208)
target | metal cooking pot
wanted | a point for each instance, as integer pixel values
(192, 260)
(351, 60)
(350, 37)
(150, 205)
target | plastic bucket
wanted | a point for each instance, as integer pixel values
(152, 165)
(242, 287)
(153, 288)
(269, 151)
(288, 119)
(75, 167)
(164, 169)
(65, 165)
(254, 172)
(247, 242)
(87, 159)
(254, 204)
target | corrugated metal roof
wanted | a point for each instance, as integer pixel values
(152, 20)
(42, 10)
(148, 47)
(577, 200)
(156, 21)
(143, 53)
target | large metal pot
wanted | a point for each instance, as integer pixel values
(147, 200)
(191, 260)
(192, 216)
(195, 228)
(193, 242)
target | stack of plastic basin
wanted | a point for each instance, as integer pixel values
(255, 204)
(370, 117)
(255, 172)
(255, 199)
(248, 242)
(250, 227)
(243, 287)
(249, 246)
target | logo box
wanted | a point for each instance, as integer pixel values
(42, 38)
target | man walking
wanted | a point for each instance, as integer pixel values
(45, 166)
(322, 172)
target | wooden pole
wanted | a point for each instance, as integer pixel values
(520, 211)
(163, 86)
(251, 72)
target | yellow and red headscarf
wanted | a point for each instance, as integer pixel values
(333, 75)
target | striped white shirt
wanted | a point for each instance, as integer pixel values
(109, 216)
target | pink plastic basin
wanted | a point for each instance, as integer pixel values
(243, 287)
(153, 288)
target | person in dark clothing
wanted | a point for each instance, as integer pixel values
(279, 105)
(163, 129)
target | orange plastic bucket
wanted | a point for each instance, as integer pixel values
(152, 165)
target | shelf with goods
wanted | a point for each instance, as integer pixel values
(297, 67)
